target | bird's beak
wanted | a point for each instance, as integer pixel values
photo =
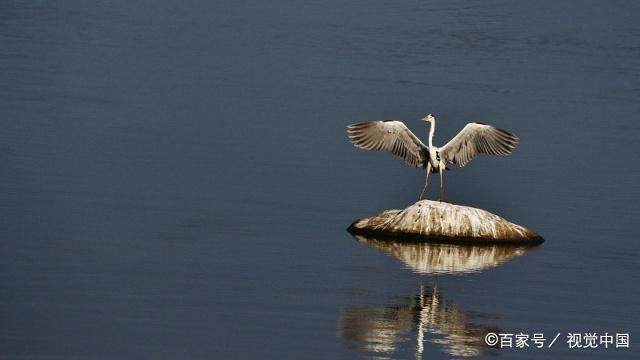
(426, 118)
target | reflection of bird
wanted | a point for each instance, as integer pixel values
(428, 316)
(394, 136)
(425, 317)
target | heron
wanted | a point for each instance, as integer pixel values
(394, 136)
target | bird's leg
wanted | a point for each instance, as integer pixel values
(426, 181)
(421, 290)
(441, 196)
(434, 288)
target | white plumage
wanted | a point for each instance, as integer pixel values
(395, 137)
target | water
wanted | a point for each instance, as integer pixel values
(176, 180)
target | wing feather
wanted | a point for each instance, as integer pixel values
(388, 135)
(476, 139)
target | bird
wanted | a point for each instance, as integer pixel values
(394, 136)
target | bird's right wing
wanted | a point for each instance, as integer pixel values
(389, 135)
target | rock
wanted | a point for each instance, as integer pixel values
(435, 221)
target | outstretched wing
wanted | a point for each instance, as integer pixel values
(476, 138)
(389, 135)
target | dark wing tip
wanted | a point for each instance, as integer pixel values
(507, 134)
(507, 141)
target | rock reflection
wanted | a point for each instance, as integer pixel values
(411, 321)
(428, 258)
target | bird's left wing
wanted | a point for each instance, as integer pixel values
(476, 138)
(389, 135)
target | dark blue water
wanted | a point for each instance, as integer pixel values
(176, 181)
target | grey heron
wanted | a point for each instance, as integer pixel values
(394, 136)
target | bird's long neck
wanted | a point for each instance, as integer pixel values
(432, 130)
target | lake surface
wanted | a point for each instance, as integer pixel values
(176, 179)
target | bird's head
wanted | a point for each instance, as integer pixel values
(428, 118)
